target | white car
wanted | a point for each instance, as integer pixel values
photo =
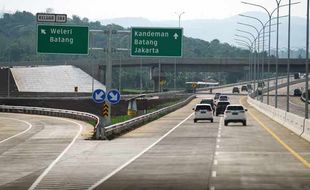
(203, 112)
(235, 113)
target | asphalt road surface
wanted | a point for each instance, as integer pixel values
(173, 152)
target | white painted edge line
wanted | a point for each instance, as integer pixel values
(215, 162)
(18, 134)
(47, 170)
(137, 156)
(213, 173)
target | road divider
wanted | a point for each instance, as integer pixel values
(295, 123)
(116, 129)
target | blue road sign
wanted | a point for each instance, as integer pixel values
(98, 96)
(113, 96)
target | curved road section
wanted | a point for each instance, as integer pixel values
(31, 146)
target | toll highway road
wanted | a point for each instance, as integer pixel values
(210, 156)
(172, 152)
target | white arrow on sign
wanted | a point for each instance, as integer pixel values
(43, 31)
(114, 97)
(175, 36)
(98, 96)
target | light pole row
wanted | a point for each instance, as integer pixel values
(278, 3)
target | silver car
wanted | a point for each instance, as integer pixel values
(203, 112)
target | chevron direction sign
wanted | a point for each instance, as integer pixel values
(105, 110)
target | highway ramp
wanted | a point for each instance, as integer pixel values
(53, 79)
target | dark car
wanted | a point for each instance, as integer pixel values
(220, 107)
(216, 96)
(297, 92)
(244, 88)
(235, 89)
(208, 101)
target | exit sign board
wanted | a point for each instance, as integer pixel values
(62, 39)
(156, 42)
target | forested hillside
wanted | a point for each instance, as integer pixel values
(18, 41)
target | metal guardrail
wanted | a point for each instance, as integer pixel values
(84, 116)
(119, 128)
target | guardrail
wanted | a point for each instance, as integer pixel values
(293, 122)
(84, 116)
(116, 129)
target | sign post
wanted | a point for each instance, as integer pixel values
(62, 39)
(156, 42)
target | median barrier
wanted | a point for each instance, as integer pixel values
(306, 132)
(116, 129)
(294, 122)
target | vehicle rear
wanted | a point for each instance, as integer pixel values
(220, 107)
(223, 98)
(244, 88)
(208, 101)
(234, 113)
(203, 112)
(235, 90)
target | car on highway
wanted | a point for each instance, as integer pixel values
(235, 113)
(223, 98)
(235, 90)
(208, 101)
(203, 112)
(216, 96)
(297, 92)
(249, 86)
(220, 107)
(244, 88)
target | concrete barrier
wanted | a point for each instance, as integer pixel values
(294, 122)
(299, 125)
(306, 132)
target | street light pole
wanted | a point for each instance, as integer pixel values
(270, 18)
(175, 59)
(307, 61)
(288, 58)
(255, 65)
(254, 49)
(277, 55)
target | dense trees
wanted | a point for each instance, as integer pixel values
(18, 37)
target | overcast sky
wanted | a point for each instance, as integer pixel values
(150, 9)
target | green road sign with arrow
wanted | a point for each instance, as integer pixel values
(156, 42)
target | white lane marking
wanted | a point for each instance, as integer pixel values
(219, 136)
(18, 134)
(215, 162)
(302, 106)
(137, 156)
(213, 173)
(217, 146)
(212, 188)
(216, 153)
(47, 170)
(218, 140)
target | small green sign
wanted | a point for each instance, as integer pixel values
(62, 39)
(156, 42)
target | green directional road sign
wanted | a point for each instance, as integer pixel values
(156, 42)
(62, 39)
